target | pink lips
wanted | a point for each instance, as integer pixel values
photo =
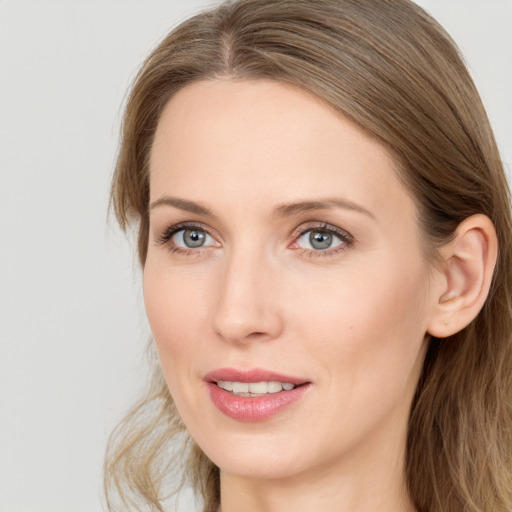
(253, 409)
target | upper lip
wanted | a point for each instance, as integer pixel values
(251, 375)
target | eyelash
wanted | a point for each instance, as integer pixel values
(346, 239)
(166, 237)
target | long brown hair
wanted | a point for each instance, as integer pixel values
(391, 69)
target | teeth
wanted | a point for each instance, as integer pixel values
(254, 388)
(224, 384)
(258, 387)
(274, 387)
(240, 387)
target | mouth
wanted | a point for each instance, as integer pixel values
(254, 395)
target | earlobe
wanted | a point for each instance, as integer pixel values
(467, 270)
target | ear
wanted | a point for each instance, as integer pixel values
(465, 276)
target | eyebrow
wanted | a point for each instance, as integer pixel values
(182, 204)
(288, 210)
(280, 211)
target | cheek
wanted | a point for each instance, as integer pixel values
(367, 325)
(175, 306)
(365, 337)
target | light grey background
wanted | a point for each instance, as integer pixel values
(72, 327)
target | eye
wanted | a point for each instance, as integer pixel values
(322, 240)
(186, 239)
(191, 238)
(318, 240)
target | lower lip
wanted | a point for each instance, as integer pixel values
(253, 409)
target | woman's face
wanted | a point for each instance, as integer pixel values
(283, 249)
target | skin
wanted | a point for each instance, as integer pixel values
(351, 320)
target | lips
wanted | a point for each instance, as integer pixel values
(254, 395)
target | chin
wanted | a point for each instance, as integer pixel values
(256, 466)
(264, 456)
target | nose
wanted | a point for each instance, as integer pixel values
(247, 308)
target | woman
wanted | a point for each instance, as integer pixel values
(325, 234)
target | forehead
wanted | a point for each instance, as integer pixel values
(261, 138)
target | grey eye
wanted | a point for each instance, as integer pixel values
(318, 240)
(192, 238)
